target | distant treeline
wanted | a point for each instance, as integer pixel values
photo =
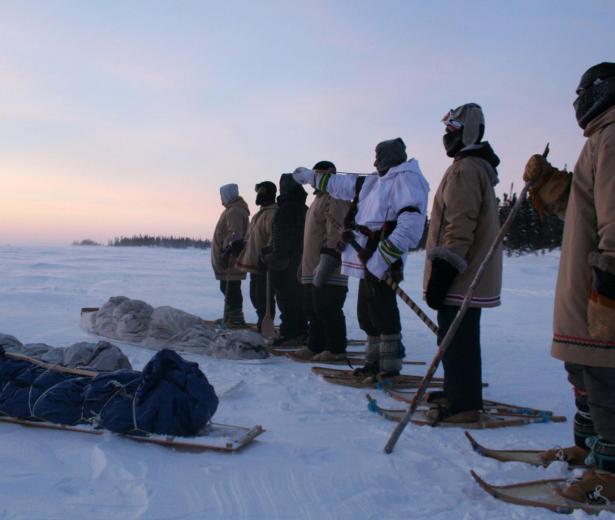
(173, 242)
(527, 234)
(86, 242)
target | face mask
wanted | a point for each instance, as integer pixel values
(264, 199)
(593, 99)
(453, 142)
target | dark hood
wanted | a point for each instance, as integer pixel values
(484, 151)
(290, 190)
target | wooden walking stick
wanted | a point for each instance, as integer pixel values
(267, 328)
(450, 334)
(402, 294)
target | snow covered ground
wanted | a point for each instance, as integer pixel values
(321, 456)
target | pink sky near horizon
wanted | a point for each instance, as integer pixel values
(123, 119)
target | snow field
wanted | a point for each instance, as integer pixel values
(321, 456)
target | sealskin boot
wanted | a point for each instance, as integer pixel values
(594, 487)
(441, 414)
(574, 455)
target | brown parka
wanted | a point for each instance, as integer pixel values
(464, 222)
(324, 224)
(231, 226)
(258, 236)
(589, 228)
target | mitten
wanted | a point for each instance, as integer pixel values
(549, 186)
(440, 281)
(236, 246)
(303, 175)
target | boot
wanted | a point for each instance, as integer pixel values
(283, 341)
(573, 455)
(391, 354)
(594, 487)
(327, 355)
(441, 414)
(437, 397)
(372, 365)
(235, 320)
(369, 371)
(305, 353)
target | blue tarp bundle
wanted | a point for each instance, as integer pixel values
(171, 396)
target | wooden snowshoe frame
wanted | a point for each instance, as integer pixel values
(539, 493)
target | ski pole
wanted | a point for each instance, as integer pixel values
(450, 334)
(401, 293)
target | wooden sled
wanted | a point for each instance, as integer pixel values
(215, 437)
(48, 366)
(539, 493)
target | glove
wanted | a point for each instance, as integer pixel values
(601, 304)
(549, 186)
(327, 264)
(440, 281)
(304, 176)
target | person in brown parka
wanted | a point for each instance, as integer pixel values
(227, 243)
(584, 313)
(464, 223)
(258, 238)
(324, 287)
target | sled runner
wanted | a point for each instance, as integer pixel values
(532, 457)
(215, 437)
(488, 418)
(539, 493)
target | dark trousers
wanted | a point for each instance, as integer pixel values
(233, 299)
(289, 297)
(595, 389)
(462, 360)
(377, 308)
(258, 297)
(324, 309)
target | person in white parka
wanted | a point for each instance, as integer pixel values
(386, 220)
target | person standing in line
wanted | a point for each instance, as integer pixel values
(324, 287)
(283, 258)
(387, 219)
(463, 225)
(584, 307)
(227, 242)
(257, 238)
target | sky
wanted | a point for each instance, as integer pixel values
(119, 118)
